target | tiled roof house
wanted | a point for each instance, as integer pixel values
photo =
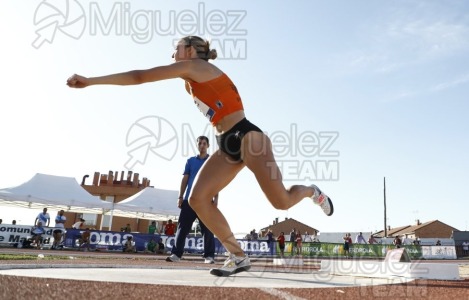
(287, 225)
(430, 229)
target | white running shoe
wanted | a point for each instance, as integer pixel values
(173, 258)
(233, 264)
(209, 260)
(322, 200)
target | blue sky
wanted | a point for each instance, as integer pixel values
(387, 79)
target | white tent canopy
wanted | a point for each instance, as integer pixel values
(55, 192)
(149, 203)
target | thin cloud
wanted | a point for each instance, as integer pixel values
(407, 95)
(403, 39)
(451, 84)
(401, 96)
(430, 38)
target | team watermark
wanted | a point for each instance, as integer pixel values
(73, 19)
(299, 154)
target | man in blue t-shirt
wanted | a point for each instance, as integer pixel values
(43, 217)
(187, 215)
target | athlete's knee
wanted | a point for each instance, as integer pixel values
(193, 203)
(280, 205)
(196, 201)
(278, 201)
(200, 201)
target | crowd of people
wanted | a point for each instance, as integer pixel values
(293, 242)
(38, 238)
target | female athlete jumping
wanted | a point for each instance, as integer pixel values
(240, 142)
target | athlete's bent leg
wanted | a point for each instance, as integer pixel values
(214, 175)
(256, 152)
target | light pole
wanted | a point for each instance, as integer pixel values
(385, 216)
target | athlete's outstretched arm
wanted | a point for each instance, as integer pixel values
(180, 69)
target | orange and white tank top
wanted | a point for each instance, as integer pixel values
(216, 98)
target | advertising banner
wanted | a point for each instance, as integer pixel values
(14, 234)
(439, 252)
(113, 241)
(356, 250)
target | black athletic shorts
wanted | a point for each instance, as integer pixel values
(230, 141)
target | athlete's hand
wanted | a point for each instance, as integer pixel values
(180, 203)
(77, 81)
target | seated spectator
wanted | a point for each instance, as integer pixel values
(129, 245)
(27, 243)
(438, 243)
(160, 246)
(85, 239)
(79, 224)
(37, 233)
(151, 246)
(127, 228)
(13, 222)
